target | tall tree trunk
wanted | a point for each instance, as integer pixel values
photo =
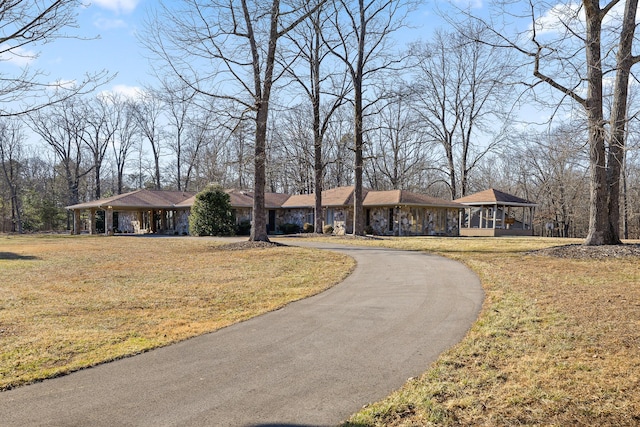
(358, 196)
(598, 209)
(259, 229)
(318, 167)
(624, 61)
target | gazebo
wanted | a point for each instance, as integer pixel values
(493, 213)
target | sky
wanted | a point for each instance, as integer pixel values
(109, 29)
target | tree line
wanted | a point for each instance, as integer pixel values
(299, 97)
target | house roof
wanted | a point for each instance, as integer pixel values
(494, 197)
(244, 199)
(335, 197)
(404, 197)
(157, 199)
(339, 196)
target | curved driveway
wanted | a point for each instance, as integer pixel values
(314, 362)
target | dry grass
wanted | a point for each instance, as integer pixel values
(557, 343)
(72, 302)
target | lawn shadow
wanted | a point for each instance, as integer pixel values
(280, 425)
(13, 256)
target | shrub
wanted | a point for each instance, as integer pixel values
(243, 228)
(211, 213)
(369, 230)
(307, 228)
(290, 228)
(327, 229)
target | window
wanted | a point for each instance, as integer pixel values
(330, 214)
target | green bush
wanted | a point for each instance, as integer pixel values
(290, 228)
(243, 228)
(211, 213)
(307, 228)
(327, 229)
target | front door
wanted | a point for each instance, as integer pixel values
(271, 225)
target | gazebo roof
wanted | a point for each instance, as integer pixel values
(494, 197)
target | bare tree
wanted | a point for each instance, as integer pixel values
(201, 134)
(62, 127)
(148, 110)
(398, 149)
(178, 99)
(361, 36)
(461, 98)
(313, 75)
(339, 152)
(29, 24)
(208, 43)
(125, 137)
(556, 165)
(11, 144)
(602, 35)
(292, 152)
(102, 115)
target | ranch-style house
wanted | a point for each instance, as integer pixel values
(392, 212)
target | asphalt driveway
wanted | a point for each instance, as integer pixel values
(312, 363)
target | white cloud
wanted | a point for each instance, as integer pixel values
(558, 17)
(118, 6)
(571, 14)
(131, 92)
(108, 24)
(18, 56)
(473, 4)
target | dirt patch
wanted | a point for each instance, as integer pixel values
(590, 252)
(240, 246)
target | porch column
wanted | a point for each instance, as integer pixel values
(92, 221)
(140, 216)
(108, 221)
(480, 224)
(495, 216)
(77, 225)
(163, 219)
(152, 221)
(532, 211)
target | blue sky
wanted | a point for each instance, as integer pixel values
(116, 23)
(110, 27)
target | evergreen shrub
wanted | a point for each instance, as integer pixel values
(211, 213)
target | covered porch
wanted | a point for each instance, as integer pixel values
(493, 213)
(138, 212)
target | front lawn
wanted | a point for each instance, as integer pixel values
(68, 302)
(557, 343)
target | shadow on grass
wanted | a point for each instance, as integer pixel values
(13, 256)
(279, 425)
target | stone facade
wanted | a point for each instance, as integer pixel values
(412, 221)
(295, 216)
(128, 222)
